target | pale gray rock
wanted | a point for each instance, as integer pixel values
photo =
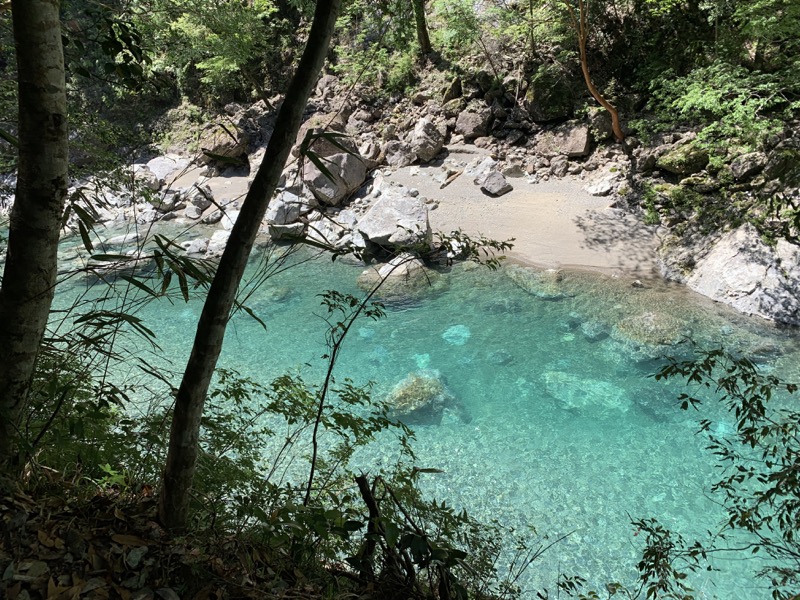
(348, 173)
(197, 246)
(164, 166)
(741, 271)
(192, 212)
(605, 184)
(495, 184)
(228, 219)
(284, 208)
(399, 154)
(212, 218)
(600, 188)
(513, 171)
(325, 231)
(147, 178)
(426, 140)
(288, 231)
(147, 215)
(167, 201)
(573, 140)
(396, 221)
(200, 196)
(479, 169)
(748, 165)
(216, 245)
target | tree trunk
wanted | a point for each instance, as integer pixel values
(581, 26)
(422, 27)
(184, 435)
(30, 271)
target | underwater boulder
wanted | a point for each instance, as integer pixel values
(546, 284)
(457, 335)
(405, 279)
(420, 398)
(589, 397)
(650, 334)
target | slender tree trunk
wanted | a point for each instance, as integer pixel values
(184, 436)
(581, 26)
(422, 27)
(30, 270)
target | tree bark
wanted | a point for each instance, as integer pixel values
(581, 27)
(29, 276)
(184, 434)
(422, 27)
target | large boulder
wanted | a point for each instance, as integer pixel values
(743, 272)
(396, 221)
(347, 173)
(474, 121)
(220, 143)
(420, 398)
(399, 154)
(549, 96)
(545, 284)
(426, 140)
(331, 229)
(146, 178)
(748, 165)
(284, 208)
(321, 125)
(683, 159)
(586, 396)
(403, 280)
(573, 140)
(164, 166)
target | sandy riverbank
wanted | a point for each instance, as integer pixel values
(556, 224)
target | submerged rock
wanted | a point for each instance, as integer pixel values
(420, 398)
(585, 395)
(404, 278)
(650, 335)
(546, 284)
(457, 335)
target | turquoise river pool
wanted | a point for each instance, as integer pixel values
(559, 425)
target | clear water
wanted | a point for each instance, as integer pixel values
(561, 427)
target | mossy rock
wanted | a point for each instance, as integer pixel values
(549, 96)
(784, 165)
(684, 160)
(420, 398)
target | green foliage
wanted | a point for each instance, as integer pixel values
(649, 197)
(729, 101)
(380, 47)
(220, 50)
(460, 26)
(760, 485)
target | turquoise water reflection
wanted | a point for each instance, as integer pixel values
(560, 427)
